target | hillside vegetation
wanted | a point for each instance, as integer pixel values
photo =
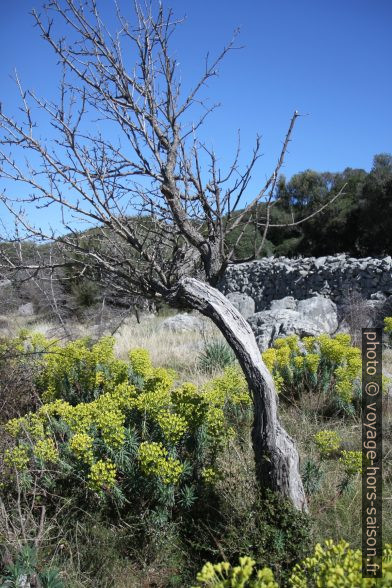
(119, 472)
(357, 223)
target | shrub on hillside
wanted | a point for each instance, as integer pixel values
(124, 441)
(328, 367)
(24, 571)
(121, 431)
(331, 564)
(216, 355)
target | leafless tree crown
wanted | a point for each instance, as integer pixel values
(158, 203)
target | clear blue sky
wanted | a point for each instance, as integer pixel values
(328, 59)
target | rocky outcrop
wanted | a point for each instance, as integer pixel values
(288, 316)
(333, 276)
(245, 304)
(321, 311)
(288, 302)
(268, 325)
(181, 323)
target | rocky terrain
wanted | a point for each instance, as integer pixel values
(278, 296)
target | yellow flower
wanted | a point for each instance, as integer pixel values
(343, 339)
(344, 389)
(299, 361)
(283, 357)
(388, 324)
(81, 445)
(312, 361)
(327, 441)
(17, 457)
(269, 358)
(309, 343)
(209, 475)
(352, 462)
(154, 461)
(173, 426)
(15, 426)
(46, 450)
(102, 475)
(140, 362)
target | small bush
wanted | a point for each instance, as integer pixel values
(85, 293)
(333, 564)
(312, 476)
(122, 431)
(329, 445)
(217, 355)
(24, 571)
(121, 441)
(328, 442)
(327, 367)
(265, 526)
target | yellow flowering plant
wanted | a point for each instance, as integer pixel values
(329, 445)
(337, 565)
(113, 426)
(332, 565)
(79, 371)
(323, 365)
(328, 442)
(352, 462)
(224, 575)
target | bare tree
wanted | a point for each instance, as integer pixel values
(125, 158)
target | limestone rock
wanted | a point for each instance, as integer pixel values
(288, 302)
(268, 325)
(320, 310)
(243, 303)
(181, 323)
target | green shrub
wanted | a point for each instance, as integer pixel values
(122, 431)
(85, 292)
(328, 442)
(329, 446)
(388, 328)
(328, 367)
(24, 571)
(264, 526)
(312, 476)
(334, 565)
(79, 371)
(216, 355)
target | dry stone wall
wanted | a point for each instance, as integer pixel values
(334, 276)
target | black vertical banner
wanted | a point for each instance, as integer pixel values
(372, 453)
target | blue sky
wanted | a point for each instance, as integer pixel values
(328, 59)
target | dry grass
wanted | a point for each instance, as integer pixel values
(169, 349)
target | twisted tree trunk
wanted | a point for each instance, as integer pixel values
(276, 457)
